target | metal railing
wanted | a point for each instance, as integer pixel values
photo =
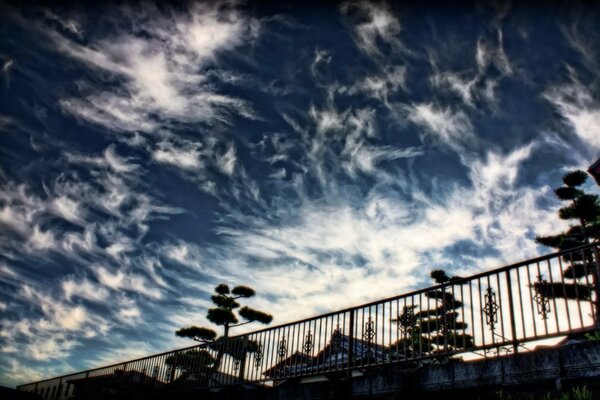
(502, 311)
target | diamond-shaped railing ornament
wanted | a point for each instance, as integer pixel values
(491, 309)
(542, 302)
(308, 343)
(282, 352)
(369, 331)
(258, 355)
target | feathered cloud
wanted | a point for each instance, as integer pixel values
(152, 153)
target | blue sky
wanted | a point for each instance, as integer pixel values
(326, 156)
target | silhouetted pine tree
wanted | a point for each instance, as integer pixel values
(584, 208)
(194, 364)
(223, 315)
(434, 329)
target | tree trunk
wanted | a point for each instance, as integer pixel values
(219, 356)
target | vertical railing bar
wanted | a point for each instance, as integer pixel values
(282, 360)
(370, 343)
(576, 286)
(556, 319)
(472, 306)
(501, 308)
(340, 365)
(391, 302)
(243, 356)
(268, 353)
(562, 279)
(521, 305)
(444, 319)
(375, 361)
(302, 341)
(454, 310)
(298, 349)
(290, 344)
(382, 333)
(328, 342)
(493, 332)
(320, 347)
(511, 313)
(545, 319)
(587, 283)
(482, 318)
(362, 327)
(464, 329)
(398, 329)
(351, 326)
(531, 300)
(420, 330)
(344, 331)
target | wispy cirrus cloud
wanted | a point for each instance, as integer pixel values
(374, 22)
(452, 128)
(163, 69)
(579, 110)
(155, 152)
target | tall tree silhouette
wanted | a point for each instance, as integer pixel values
(584, 209)
(223, 315)
(434, 329)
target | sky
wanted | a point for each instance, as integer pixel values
(324, 155)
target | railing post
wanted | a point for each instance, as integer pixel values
(511, 311)
(243, 360)
(351, 340)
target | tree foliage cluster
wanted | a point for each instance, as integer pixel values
(200, 363)
(433, 329)
(584, 210)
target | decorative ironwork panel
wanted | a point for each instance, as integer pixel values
(491, 309)
(282, 352)
(308, 343)
(258, 355)
(369, 331)
(542, 302)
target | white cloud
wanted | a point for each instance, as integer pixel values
(380, 86)
(162, 71)
(84, 289)
(187, 157)
(376, 23)
(40, 240)
(381, 245)
(67, 209)
(450, 127)
(579, 110)
(226, 162)
(119, 280)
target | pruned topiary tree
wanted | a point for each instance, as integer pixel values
(227, 314)
(584, 209)
(223, 314)
(436, 328)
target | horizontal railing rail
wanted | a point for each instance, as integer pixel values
(497, 312)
